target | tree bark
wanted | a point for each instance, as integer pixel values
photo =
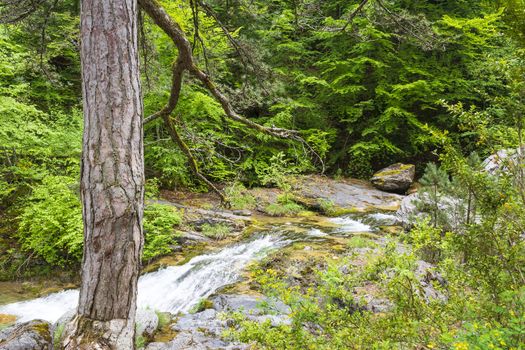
(112, 177)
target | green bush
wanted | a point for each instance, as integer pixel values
(159, 230)
(216, 231)
(239, 197)
(51, 222)
(283, 207)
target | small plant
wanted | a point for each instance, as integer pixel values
(360, 242)
(283, 207)
(239, 197)
(327, 207)
(164, 319)
(216, 231)
(202, 304)
(57, 335)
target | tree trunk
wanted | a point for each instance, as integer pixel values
(112, 177)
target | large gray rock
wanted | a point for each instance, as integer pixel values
(32, 335)
(147, 322)
(418, 206)
(196, 341)
(201, 330)
(503, 161)
(394, 178)
(249, 305)
(345, 194)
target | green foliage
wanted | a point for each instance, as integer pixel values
(284, 206)
(51, 223)
(201, 305)
(216, 231)
(239, 197)
(159, 230)
(360, 242)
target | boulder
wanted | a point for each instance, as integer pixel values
(32, 335)
(345, 195)
(147, 322)
(196, 341)
(395, 178)
(249, 305)
(503, 161)
(452, 212)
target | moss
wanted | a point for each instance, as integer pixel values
(390, 172)
(43, 330)
(6, 320)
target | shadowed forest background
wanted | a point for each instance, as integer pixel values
(438, 84)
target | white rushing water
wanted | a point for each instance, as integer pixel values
(172, 289)
(349, 225)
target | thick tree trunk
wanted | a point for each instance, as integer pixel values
(112, 177)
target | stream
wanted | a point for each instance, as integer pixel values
(178, 288)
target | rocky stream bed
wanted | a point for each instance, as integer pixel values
(184, 301)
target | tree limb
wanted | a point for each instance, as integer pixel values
(353, 14)
(174, 31)
(174, 134)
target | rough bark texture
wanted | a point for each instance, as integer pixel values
(112, 177)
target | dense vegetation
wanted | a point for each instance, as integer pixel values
(412, 81)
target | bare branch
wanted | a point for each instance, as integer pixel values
(353, 14)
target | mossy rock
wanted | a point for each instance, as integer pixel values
(33, 335)
(395, 178)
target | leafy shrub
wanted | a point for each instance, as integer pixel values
(216, 231)
(283, 208)
(239, 197)
(159, 225)
(51, 222)
(201, 305)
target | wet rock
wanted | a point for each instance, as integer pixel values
(250, 305)
(194, 323)
(147, 322)
(32, 335)
(196, 341)
(346, 195)
(395, 178)
(234, 225)
(243, 212)
(201, 330)
(191, 236)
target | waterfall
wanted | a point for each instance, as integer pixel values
(171, 289)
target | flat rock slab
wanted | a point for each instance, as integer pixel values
(346, 194)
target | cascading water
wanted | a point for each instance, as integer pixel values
(172, 289)
(177, 288)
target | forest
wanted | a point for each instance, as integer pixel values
(262, 174)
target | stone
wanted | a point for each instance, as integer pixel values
(146, 322)
(196, 341)
(32, 335)
(414, 207)
(250, 305)
(395, 178)
(345, 195)
(242, 212)
(503, 161)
